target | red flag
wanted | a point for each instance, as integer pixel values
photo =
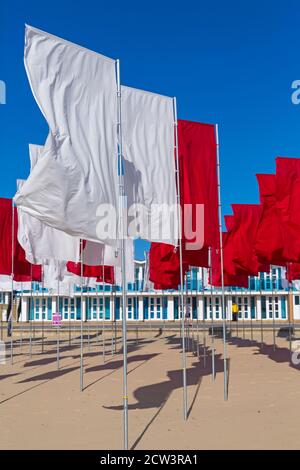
(22, 269)
(288, 205)
(198, 186)
(198, 175)
(102, 273)
(269, 243)
(164, 265)
(5, 236)
(247, 217)
(237, 280)
(292, 271)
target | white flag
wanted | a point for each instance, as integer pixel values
(129, 259)
(97, 254)
(39, 241)
(53, 272)
(149, 161)
(5, 284)
(76, 91)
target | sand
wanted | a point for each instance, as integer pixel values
(42, 408)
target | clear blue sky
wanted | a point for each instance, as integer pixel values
(230, 62)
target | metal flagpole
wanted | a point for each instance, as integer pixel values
(98, 314)
(243, 315)
(213, 366)
(185, 406)
(43, 297)
(12, 285)
(203, 322)
(123, 263)
(111, 313)
(291, 329)
(197, 321)
(57, 326)
(273, 309)
(69, 315)
(222, 266)
(290, 284)
(103, 313)
(21, 327)
(192, 313)
(137, 312)
(261, 318)
(88, 302)
(81, 315)
(115, 323)
(30, 319)
(187, 326)
(251, 322)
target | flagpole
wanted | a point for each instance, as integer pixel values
(185, 405)
(251, 322)
(103, 313)
(111, 313)
(203, 323)
(30, 319)
(21, 327)
(12, 286)
(187, 326)
(197, 322)
(123, 261)
(43, 297)
(69, 315)
(222, 265)
(213, 366)
(273, 309)
(261, 318)
(88, 305)
(81, 315)
(290, 284)
(57, 326)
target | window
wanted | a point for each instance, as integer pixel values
(283, 308)
(44, 308)
(205, 308)
(297, 300)
(270, 308)
(252, 284)
(276, 305)
(263, 307)
(252, 300)
(246, 310)
(239, 302)
(210, 308)
(151, 307)
(65, 308)
(101, 308)
(176, 312)
(129, 308)
(217, 305)
(158, 307)
(72, 308)
(274, 278)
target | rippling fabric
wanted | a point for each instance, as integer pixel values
(22, 269)
(269, 249)
(77, 93)
(149, 164)
(288, 205)
(101, 273)
(40, 241)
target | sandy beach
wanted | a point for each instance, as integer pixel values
(42, 408)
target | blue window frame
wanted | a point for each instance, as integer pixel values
(176, 313)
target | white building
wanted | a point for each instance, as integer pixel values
(266, 296)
